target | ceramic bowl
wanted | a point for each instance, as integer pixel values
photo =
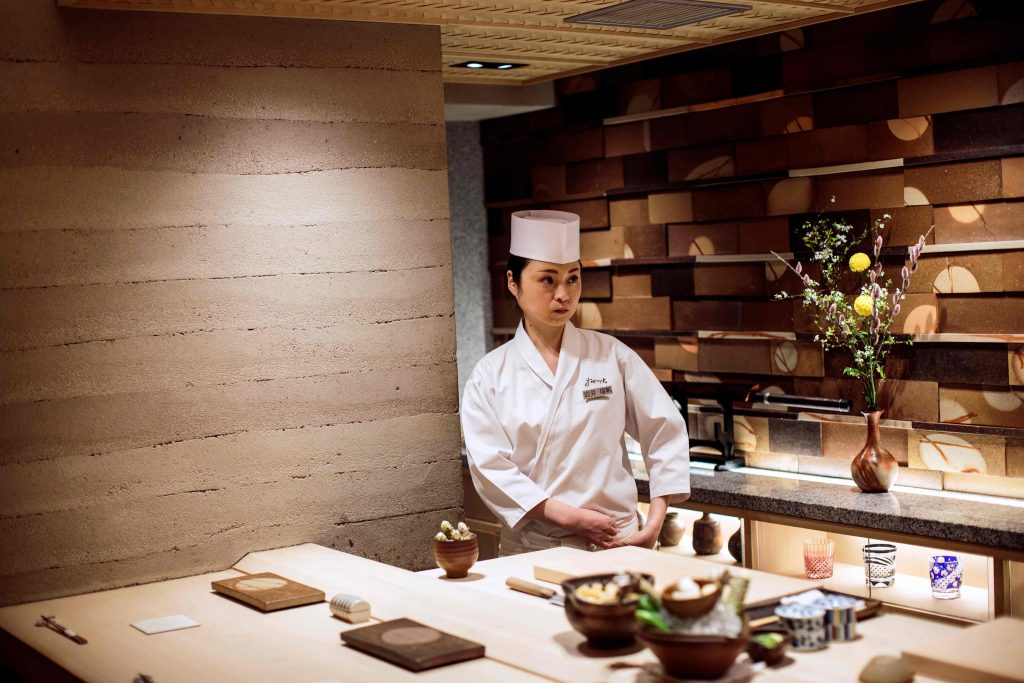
(769, 655)
(806, 623)
(691, 607)
(702, 657)
(456, 557)
(604, 626)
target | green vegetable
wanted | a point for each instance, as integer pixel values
(767, 639)
(653, 619)
(648, 602)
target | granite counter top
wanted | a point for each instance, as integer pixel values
(964, 518)
(967, 518)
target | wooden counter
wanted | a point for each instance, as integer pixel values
(527, 639)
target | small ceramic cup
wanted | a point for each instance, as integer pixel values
(946, 573)
(840, 617)
(806, 623)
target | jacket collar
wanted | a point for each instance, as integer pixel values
(568, 355)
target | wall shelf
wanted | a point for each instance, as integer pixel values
(778, 549)
(929, 338)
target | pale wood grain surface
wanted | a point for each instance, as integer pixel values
(527, 639)
(234, 642)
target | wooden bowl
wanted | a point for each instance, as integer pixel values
(769, 655)
(691, 607)
(702, 657)
(456, 557)
(604, 626)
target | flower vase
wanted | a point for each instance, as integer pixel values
(874, 469)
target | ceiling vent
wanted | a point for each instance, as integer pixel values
(657, 14)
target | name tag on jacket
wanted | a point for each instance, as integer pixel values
(596, 393)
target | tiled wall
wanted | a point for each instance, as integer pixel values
(688, 170)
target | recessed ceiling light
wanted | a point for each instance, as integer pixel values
(487, 65)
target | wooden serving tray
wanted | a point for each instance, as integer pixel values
(268, 591)
(412, 645)
(568, 563)
(763, 613)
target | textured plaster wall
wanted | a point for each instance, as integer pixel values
(226, 310)
(469, 245)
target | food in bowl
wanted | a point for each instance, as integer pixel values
(688, 598)
(605, 616)
(769, 646)
(688, 589)
(696, 643)
(608, 593)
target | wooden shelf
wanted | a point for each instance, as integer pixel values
(729, 526)
(778, 549)
(703, 106)
(931, 338)
(909, 592)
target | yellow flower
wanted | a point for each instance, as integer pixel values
(863, 304)
(859, 262)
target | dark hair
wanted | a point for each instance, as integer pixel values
(516, 265)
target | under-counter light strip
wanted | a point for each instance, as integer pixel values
(838, 481)
(955, 495)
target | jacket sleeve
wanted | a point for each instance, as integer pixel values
(654, 421)
(508, 492)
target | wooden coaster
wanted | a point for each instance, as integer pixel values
(412, 645)
(268, 591)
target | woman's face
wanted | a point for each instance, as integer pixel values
(547, 293)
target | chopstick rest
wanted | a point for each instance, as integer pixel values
(351, 608)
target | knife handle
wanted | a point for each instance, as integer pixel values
(529, 588)
(763, 621)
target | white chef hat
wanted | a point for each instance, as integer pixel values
(552, 236)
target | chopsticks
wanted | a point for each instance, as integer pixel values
(50, 621)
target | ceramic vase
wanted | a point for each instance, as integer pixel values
(736, 546)
(672, 530)
(874, 469)
(707, 536)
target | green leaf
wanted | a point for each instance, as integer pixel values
(648, 602)
(653, 619)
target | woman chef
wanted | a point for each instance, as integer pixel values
(544, 414)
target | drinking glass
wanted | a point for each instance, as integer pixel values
(879, 565)
(819, 554)
(946, 573)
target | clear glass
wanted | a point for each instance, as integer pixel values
(946, 573)
(879, 565)
(819, 555)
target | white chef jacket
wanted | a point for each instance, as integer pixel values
(531, 435)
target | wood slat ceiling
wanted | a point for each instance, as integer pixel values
(533, 32)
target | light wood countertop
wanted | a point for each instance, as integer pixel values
(526, 638)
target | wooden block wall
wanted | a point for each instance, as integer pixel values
(226, 312)
(690, 169)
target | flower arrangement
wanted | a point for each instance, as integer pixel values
(454, 533)
(861, 321)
